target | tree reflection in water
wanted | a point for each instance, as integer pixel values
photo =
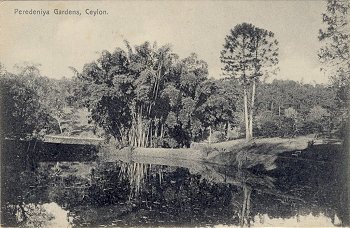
(37, 215)
(135, 193)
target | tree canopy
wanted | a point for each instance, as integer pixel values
(335, 52)
(249, 53)
(148, 96)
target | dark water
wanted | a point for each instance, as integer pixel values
(299, 192)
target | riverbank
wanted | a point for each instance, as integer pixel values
(258, 152)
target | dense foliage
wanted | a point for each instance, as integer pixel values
(187, 107)
(149, 97)
(335, 52)
(22, 114)
(31, 104)
(287, 108)
(335, 55)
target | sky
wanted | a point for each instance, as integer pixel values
(59, 41)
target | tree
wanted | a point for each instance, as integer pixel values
(317, 120)
(335, 56)
(249, 53)
(335, 53)
(193, 75)
(317, 113)
(217, 104)
(290, 122)
(57, 99)
(268, 124)
(22, 114)
(144, 95)
(54, 95)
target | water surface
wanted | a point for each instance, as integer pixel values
(179, 193)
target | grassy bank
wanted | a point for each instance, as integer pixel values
(257, 152)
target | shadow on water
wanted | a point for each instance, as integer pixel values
(155, 192)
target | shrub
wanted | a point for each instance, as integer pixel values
(171, 143)
(269, 129)
(234, 133)
(217, 136)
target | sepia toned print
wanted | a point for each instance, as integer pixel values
(174, 113)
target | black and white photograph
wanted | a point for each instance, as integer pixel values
(175, 113)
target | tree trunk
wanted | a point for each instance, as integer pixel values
(247, 135)
(209, 136)
(228, 129)
(279, 110)
(156, 134)
(59, 125)
(257, 68)
(245, 216)
(150, 135)
(139, 128)
(162, 131)
(271, 106)
(251, 111)
(246, 120)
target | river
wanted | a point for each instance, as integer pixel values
(98, 193)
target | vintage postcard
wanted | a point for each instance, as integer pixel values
(174, 113)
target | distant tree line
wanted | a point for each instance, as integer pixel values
(141, 107)
(289, 108)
